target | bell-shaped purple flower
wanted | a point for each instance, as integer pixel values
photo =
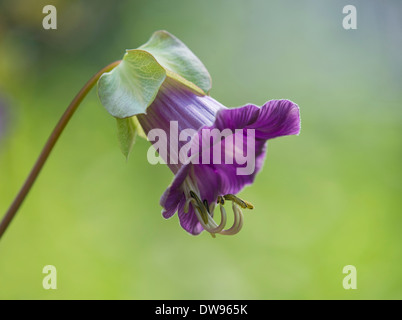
(203, 183)
(162, 88)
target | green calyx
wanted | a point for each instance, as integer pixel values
(132, 86)
(174, 56)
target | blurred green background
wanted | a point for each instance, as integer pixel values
(328, 198)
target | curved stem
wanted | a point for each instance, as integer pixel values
(49, 146)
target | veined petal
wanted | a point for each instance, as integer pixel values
(189, 220)
(174, 194)
(175, 102)
(274, 119)
(230, 182)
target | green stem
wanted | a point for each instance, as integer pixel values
(49, 146)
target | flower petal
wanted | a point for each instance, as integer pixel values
(230, 181)
(173, 194)
(189, 220)
(274, 119)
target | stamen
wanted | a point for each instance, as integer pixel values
(206, 206)
(238, 221)
(200, 219)
(204, 213)
(242, 203)
(201, 207)
(220, 200)
(219, 228)
(186, 205)
(211, 208)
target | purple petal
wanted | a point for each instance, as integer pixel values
(174, 199)
(274, 119)
(173, 194)
(189, 220)
(207, 182)
(176, 102)
(230, 181)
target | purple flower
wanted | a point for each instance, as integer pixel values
(199, 186)
(161, 90)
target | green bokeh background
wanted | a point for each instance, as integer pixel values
(328, 198)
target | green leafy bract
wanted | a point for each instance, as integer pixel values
(132, 86)
(127, 131)
(174, 55)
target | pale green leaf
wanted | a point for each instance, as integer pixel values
(175, 56)
(131, 87)
(127, 131)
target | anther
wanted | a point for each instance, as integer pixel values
(220, 200)
(242, 203)
(206, 206)
(200, 206)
